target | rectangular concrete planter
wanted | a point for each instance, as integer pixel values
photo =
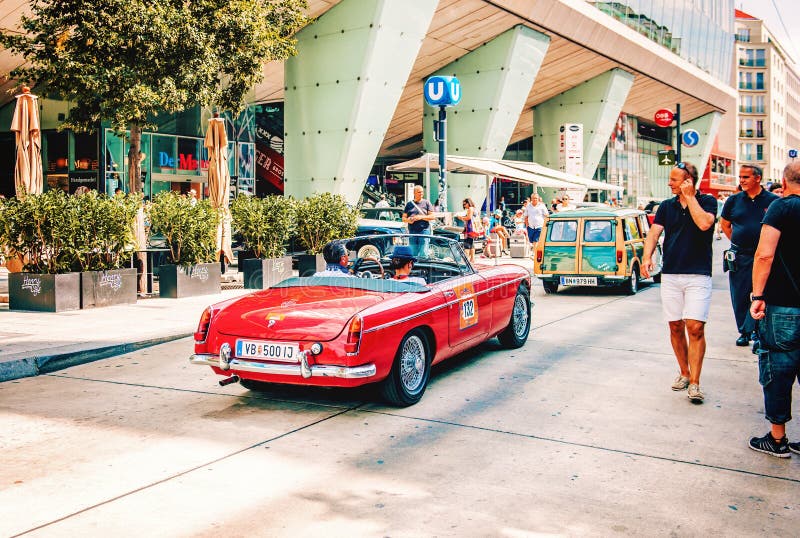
(176, 281)
(241, 256)
(308, 264)
(260, 274)
(43, 292)
(107, 288)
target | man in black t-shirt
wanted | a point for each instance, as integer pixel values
(417, 214)
(687, 221)
(741, 222)
(776, 308)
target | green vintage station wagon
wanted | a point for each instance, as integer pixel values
(594, 247)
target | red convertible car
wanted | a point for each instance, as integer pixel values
(345, 331)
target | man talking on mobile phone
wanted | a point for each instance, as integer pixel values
(687, 221)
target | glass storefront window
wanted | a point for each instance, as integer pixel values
(164, 154)
(57, 152)
(188, 156)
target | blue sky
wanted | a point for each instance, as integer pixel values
(773, 13)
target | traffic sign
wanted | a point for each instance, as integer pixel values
(690, 138)
(792, 153)
(666, 157)
(442, 91)
(664, 117)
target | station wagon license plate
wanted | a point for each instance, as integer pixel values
(272, 351)
(579, 281)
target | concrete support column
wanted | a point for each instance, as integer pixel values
(707, 127)
(496, 80)
(342, 89)
(596, 104)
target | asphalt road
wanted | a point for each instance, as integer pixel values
(577, 433)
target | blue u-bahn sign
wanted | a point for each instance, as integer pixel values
(442, 91)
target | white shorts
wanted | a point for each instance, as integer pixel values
(685, 297)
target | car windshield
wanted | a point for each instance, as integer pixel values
(393, 214)
(377, 258)
(428, 249)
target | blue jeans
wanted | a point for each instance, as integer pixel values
(779, 360)
(419, 244)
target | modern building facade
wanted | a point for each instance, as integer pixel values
(769, 98)
(351, 101)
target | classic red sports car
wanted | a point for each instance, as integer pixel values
(345, 331)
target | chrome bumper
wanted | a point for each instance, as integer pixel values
(317, 370)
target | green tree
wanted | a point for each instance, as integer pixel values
(127, 60)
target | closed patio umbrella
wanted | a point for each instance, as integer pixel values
(25, 123)
(218, 180)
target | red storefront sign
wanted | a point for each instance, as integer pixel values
(269, 165)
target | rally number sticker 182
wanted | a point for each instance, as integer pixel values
(467, 306)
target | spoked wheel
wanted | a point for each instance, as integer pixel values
(410, 372)
(519, 326)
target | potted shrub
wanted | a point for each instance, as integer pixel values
(106, 243)
(265, 225)
(189, 228)
(39, 231)
(322, 218)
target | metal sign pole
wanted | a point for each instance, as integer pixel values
(442, 135)
(678, 128)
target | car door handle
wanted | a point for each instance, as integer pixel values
(449, 294)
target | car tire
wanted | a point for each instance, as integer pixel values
(410, 371)
(657, 278)
(550, 286)
(632, 284)
(519, 325)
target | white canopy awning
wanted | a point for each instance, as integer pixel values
(526, 172)
(563, 176)
(459, 164)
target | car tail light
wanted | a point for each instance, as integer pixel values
(619, 256)
(539, 256)
(353, 335)
(202, 328)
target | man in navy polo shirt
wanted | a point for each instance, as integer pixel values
(687, 221)
(776, 306)
(741, 223)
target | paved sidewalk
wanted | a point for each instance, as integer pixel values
(33, 343)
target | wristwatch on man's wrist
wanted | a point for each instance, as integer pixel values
(756, 297)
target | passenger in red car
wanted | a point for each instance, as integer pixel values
(336, 260)
(403, 261)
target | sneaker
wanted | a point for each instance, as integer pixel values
(794, 447)
(680, 383)
(768, 445)
(695, 394)
(743, 340)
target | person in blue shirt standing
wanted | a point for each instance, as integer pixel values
(417, 214)
(741, 223)
(687, 221)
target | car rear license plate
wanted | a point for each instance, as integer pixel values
(579, 281)
(272, 351)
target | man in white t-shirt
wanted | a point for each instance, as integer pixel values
(383, 202)
(535, 213)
